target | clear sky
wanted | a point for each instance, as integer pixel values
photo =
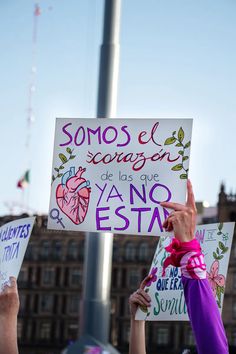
(177, 60)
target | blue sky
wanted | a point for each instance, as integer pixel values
(177, 60)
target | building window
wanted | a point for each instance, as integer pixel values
(72, 250)
(134, 278)
(126, 333)
(81, 251)
(233, 337)
(45, 250)
(162, 336)
(48, 276)
(19, 329)
(143, 251)
(74, 305)
(190, 338)
(232, 216)
(30, 253)
(57, 250)
(72, 331)
(22, 302)
(130, 251)
(23, 275)
(114, 277)
(123, 278)
(234, 310)
(234, 250)
(116, 252)
(46, 303)
(45, 330)
(113, 306)
(122, 305)
(76, 276)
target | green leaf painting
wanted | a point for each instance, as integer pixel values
(177, 167)
(64, 160)
(170, 140)
(179, 142)
(221, 248)
(181, 134)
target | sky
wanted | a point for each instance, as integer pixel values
(177, 60)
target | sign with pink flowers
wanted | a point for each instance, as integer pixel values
(110, 175)
(167, 296)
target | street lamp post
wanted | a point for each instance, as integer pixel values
(95, 306)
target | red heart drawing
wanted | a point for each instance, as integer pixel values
(73, 195)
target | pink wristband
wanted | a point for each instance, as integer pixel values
(188, 256)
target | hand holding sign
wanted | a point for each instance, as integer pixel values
(139, 297)
(9, 307)
(182, 221)
(9, 301)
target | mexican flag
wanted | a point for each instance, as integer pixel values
(24, 181)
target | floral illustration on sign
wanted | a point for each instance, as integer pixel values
(149, 283)
(64, 160)
(73, 194)
(217, 281)
(153, 278)
(178, 139)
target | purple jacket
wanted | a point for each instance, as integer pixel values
(202, 309)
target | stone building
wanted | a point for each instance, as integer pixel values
(227, 212)
(50, 287)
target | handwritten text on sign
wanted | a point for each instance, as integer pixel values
(14, 238)
(168, 303)
(112, 174)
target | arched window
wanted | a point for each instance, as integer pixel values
(143, 253)
(72, 250)
(130, 251)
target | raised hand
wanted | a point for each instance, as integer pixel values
(182, 220)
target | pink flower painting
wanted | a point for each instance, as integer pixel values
(215, 279)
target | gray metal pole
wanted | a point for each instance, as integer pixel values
(95, 314)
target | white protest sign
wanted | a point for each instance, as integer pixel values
(168, 303)
(110, 175)
(14, 238)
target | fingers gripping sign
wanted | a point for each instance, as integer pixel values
(140, 297)
(9, 300)
(182, 220)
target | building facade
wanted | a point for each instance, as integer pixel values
(51, 281)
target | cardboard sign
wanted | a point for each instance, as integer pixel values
(110, 175)
(14, 238)
(168, 303)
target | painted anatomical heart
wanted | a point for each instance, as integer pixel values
(73, 195)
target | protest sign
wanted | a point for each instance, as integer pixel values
(110, 175)
(168, 303)
(14, 238)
